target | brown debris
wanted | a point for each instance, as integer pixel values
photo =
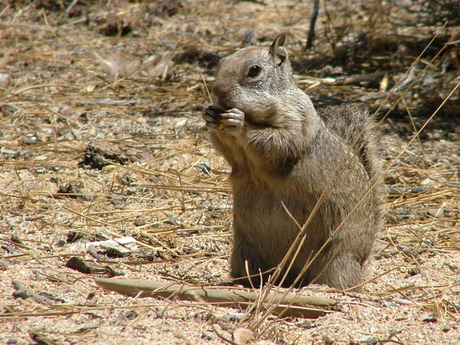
(101, 154)
(82, 266)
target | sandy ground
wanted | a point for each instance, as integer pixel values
(101, 137)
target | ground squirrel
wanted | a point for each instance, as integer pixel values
(284, 156)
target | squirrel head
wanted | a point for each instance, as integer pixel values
(254, 79)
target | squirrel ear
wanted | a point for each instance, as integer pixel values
(249, 39)
(277, 50)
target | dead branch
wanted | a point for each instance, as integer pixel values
(290, 305)
(311, 32)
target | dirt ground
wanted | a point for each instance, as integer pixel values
(101, 137)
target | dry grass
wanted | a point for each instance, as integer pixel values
(127, 79)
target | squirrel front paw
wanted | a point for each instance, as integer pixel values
(211, 116)
(217, 118)
(231, 119)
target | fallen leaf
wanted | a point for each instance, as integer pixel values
(243, 336)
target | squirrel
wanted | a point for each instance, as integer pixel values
(293, 168)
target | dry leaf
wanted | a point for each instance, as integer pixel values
(243, 336)
(119, 65)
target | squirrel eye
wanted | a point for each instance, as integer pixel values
(254, 71)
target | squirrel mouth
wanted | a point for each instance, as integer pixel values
(219, 104)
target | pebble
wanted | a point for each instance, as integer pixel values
(4, 79)
(30, 139)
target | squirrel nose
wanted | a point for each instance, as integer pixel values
(219, 90)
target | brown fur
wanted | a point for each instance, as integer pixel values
(283, 152)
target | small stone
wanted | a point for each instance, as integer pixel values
(235, 316)
(430, 319)
(4, 79)
(30, 139)
(327, 340)
(79, 265)
(140, 222)
(207, 335)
